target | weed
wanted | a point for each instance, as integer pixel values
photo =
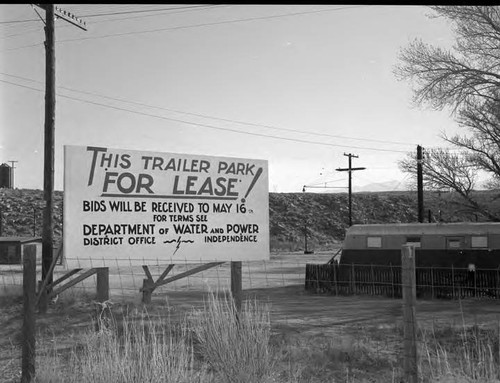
(140, 350)
(235, 345)
(467, 354)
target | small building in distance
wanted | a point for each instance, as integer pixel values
(437, 244)
(5, 176)
(12, 249)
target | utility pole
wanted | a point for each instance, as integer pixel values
(48, 162)
(51, 12)
(12, 173)
(420, 185)
(350, 169)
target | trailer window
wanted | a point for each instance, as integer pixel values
(373, 241)
(454, 243)
(413, 241)
(479, 241)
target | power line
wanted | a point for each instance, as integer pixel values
(18, 21)
(324, 182)
(445, 148)
(188, 9)
(115, 13)
(215, 118)
(22, 47)
(383, 167)
(322, 187)
(22, 86)
(211, 126)
(147, 10)
(25, 32)
(193, 26)
(214, 23)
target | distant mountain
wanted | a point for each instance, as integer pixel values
(393, 185)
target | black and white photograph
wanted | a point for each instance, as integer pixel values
(249, 193)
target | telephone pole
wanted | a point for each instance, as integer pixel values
(420, 185)
(51, 12)
(350, 169)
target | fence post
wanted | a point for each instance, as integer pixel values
(319, 277)
(335, 278)
(102, 274)
(474, 275)
(392, 279)
(496, 284)
(453, 282)
(103, 314)
(353, 282)
(373, 279)
(410, 366)
(236, 284)
(147, 290)
(432, 282)
(29, 298)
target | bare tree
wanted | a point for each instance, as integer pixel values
(465, 79)
(444, 171)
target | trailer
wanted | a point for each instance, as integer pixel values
(460, 245)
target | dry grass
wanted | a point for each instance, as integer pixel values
(235, 345)
(214, 344)
(336, 358)
(210, 345)
(138, 350)
(467, 354)
(217, 344)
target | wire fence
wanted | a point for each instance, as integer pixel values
(286, 269)
(431, 282)
(125, 282)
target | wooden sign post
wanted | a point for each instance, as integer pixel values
(236, 284)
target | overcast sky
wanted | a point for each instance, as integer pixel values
(296, 85)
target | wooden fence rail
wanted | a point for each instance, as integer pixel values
(432, 282)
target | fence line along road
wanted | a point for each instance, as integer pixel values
(431, 282)
(281, 270)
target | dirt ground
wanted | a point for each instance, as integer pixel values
(294, 313)
(296, 310)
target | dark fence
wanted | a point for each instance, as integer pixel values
(432, 282)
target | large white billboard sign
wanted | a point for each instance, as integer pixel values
(125, 207)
